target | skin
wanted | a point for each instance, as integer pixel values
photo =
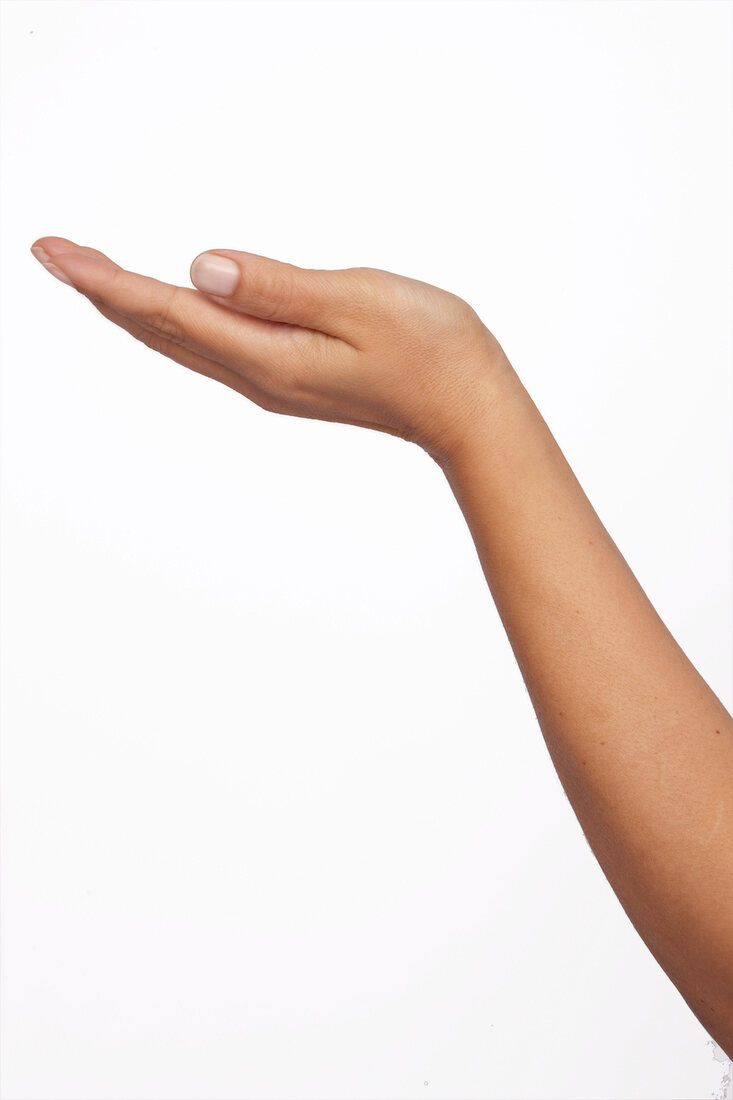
(641, 744)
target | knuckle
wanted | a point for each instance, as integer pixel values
(305, 365)
(381, 298)
(365, 292)
(153, 340)
(290, 377)
(274, 293)
(258, 397)
(165, 318)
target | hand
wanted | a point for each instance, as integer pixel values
(360, 346)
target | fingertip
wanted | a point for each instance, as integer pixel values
(51, 245)
(43, 258)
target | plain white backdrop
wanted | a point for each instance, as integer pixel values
(278, 820)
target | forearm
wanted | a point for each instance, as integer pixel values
(642, 745)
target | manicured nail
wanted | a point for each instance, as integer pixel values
(214, 274)
(45, 259)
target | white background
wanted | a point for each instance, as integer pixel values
(277, 816)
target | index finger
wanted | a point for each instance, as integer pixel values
(265, 351)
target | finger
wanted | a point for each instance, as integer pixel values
(52, 246)
(270, 355)
(155, 340)
(264, 400)
(321, 300)
(199, 363)
(326, 301)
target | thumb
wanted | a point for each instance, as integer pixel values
(272, 290)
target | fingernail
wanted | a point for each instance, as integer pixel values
(45, 259)
(214, 274)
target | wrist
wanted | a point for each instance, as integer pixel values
(479, 413)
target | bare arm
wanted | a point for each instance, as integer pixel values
(642, 746)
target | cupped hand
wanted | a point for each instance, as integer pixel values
(360, 346)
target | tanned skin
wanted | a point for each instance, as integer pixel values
(641, 744)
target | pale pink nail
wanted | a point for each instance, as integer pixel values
(214, 274)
